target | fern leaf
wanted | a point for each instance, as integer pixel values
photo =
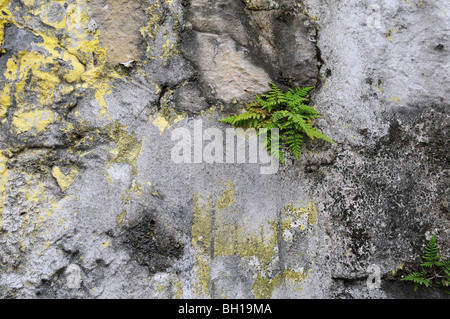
(278, 154)
(434, 272)
(417, 278)
(248, 119)
(306, 111)
(278, 115)
(294, 142)
(257, 103)
(447, 274)
(275, 151)
(229, 120)
(301, 92)
(427, 264)
(300, 123)
(431, 251)
(446, 265)
(284, 111)
(293, 99)
(317, 134)
(274, 97)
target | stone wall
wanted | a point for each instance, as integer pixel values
(92, 94)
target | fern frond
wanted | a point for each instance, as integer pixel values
(274, 98)
(307, 111)
(447, 274)
(300, 123)
(294, 142)
(431, 251)
(247, 119)
(262, 124)
(427, 264)
(257, 103)
(276, 152)
(285, 111)
(278, 115)
(229, 120)
(293, 99)
(316, 134)
(434, 273)
(302, 92)
(446, 266)
(417, 278)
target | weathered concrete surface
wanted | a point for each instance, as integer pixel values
(92, 205)
(119, 23)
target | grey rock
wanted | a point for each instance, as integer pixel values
(73, 274)
(189, 98)
(172, 73)
(237, 52)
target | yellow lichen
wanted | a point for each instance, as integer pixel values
(64, 180)
(395, 98)
(258, 247)
(211, 111)
(314, 18)
(296, 278)
(121, 218)
(156, 19)
(166, 118)
(33, 120)
(37, 210)
(40, 72)
(149, 31)
(161, 123)
(263, 286)
(127, 146)
(201, 243)
(6, 18)
(5, 100)
(228, 197)
(399, 267)
(178, 288)
(134, 190)
(127, 151)
(3, 181)
(297, 217)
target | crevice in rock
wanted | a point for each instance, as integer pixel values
(234, 63)
(151, 244)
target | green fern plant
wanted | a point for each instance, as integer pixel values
(286, 111)
(434, 273)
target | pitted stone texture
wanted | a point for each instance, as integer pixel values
(119, 23)
(236, 52)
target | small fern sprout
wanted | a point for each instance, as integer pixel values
(286, 111)
(434, 272)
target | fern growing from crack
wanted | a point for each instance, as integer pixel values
(286, 111)
(434, 272)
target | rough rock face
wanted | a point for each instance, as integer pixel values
(95, 96)
(236, 52)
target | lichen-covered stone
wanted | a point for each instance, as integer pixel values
(236, 52)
